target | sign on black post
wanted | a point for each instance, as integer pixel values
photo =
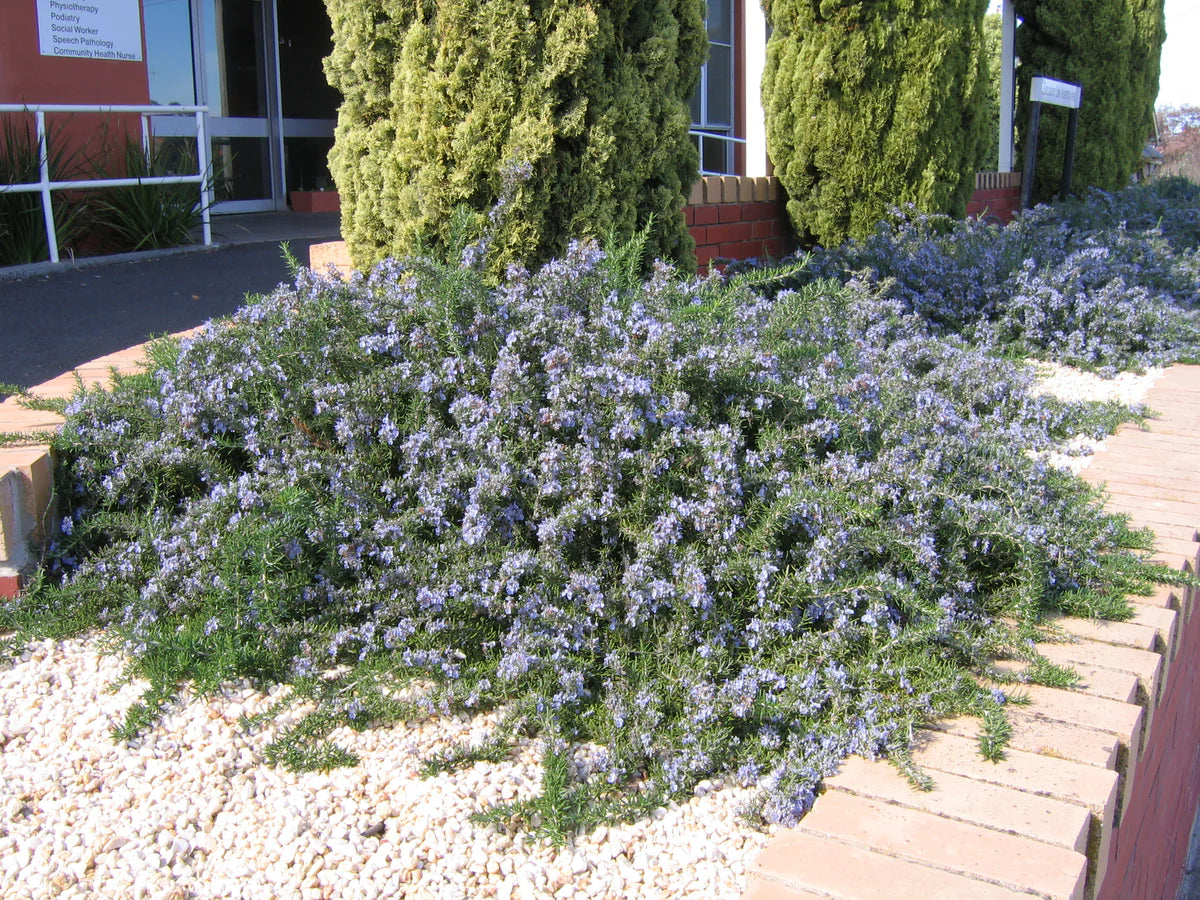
(1056, 93)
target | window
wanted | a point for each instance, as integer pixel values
(169, 52)
(712, 104)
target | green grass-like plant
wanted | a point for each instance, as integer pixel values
(150, 216)
(22, 220)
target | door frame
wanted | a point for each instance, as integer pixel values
(273, 127)
(268, 127)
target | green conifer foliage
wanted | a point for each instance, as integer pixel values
(1149, 34)
(993, 42)
(441, 96)
(874, 104)
(1112, 48)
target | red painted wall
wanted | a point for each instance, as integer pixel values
(28, 77)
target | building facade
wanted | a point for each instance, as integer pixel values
(257, 66)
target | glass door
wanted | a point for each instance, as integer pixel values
(257, 66)
(309, 105)
(237, 38)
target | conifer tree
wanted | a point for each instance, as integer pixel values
(441, 97)
(1112, 49)
(874, 104)
(1149, 34)
(992, 52)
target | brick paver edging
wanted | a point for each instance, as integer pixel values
(1098, 788)
(27, 471)
(1096, 795)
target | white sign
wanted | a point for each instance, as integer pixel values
(90, 29)
(1060, 93)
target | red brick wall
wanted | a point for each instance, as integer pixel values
(1150, 846)
(738, 217)
(996, 194)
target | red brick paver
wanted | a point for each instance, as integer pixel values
(1110, 769)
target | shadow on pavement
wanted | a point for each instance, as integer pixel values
(54, 322)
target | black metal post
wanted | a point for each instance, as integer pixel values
(1035, 116)
(1069, 160)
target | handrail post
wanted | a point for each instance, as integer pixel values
(45, 185)
(205, 179)
(44, 179)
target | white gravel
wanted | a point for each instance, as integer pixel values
(1073, 384)
(192, 810)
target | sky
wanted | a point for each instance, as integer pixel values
(1179, 83)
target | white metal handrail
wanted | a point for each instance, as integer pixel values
(45, 186)
(716, 136)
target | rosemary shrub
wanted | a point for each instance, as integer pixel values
(678, 528)
(1108, 282)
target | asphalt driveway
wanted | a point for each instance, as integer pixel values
(50, 323)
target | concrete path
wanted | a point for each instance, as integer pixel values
(57, 317)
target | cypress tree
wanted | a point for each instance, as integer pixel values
(441, 97)
(872, 104)
(1149, 34)
(993, 45)
(1111, 48)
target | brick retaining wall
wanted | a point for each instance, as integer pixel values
(996, 194)
(736, 217)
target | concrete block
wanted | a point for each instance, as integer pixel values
(1106, 683)
(14, 525)
(1045, 737)
(1146, 665)
(33, 469)
(1094, 788)
(968, 800)
(1123, 634)
(330, 253)
(731, 186)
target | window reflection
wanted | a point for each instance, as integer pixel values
(169, 52)
(234, 70)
